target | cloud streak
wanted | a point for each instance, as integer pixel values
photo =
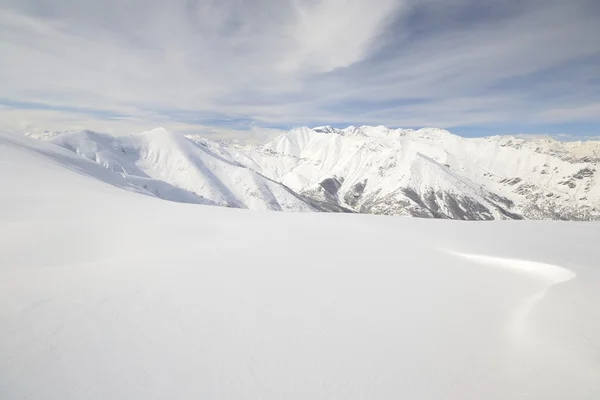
(241, 64)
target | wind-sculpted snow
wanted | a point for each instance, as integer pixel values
(108, 293)
(548, 274)
(552, 274)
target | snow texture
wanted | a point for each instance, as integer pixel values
(107, 292)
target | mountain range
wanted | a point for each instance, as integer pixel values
(428, 173)
(108, 292)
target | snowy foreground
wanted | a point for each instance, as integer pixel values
(106, 293)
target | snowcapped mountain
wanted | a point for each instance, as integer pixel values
(375, 170)
(433, 173)
(175, 168)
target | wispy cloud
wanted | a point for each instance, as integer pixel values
(236, 64)
(588, 112)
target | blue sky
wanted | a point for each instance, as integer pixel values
(249, 68)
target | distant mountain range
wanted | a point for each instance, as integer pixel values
(427, 173)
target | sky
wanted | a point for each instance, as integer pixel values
(251, 68)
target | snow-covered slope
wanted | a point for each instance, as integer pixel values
(109, 294)
(432, 173)
(157, 156)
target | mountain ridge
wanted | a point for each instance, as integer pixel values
(428, 172)
(551, 179)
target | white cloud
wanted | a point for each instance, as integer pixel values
(329, 34)
(37, 121)
(579, 113)
(297, 62)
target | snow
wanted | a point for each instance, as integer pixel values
(157, 158)
(107, 292)
(375, 170)
(536, 179)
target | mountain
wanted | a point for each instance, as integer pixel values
(433, 173)
(107, 292)
(169, 165)
(427, 173)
